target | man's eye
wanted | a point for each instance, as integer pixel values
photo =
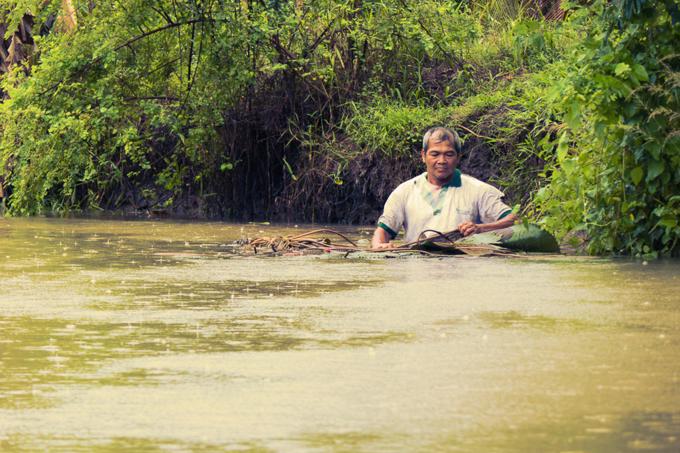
(450, 155)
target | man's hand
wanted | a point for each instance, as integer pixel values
(381, 240)
(383, 246)
(468, 228)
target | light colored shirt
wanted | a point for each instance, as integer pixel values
(417, 205)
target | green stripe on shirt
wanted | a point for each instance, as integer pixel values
(389, 230)
(505, 214)
(456, 180)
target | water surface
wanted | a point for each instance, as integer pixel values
(155, 336)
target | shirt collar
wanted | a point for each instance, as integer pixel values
(455, 181)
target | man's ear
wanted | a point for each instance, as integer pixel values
(422, 154)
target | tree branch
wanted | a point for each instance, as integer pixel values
(127, 43)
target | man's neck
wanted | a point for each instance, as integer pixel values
(436, 182)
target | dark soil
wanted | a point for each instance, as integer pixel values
(371, 177)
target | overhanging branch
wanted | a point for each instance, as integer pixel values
(127, 43)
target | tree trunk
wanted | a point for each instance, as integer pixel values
(68, 17)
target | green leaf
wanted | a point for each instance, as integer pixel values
(668, 222)
(530, 238)
(562, 147)
(573, 116)
(622, 69)
(654, 150)
(290, 169)
(654, 169)
(640, 72)
(636, 175)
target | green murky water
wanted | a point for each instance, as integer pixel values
(153, 336)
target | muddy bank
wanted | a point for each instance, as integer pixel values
(284, 185)
(321, 187)
(329, 190)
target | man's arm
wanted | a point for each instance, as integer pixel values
(381, 239)
(391, 220)
(468, 228)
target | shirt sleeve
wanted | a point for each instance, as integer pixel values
(491, 206)
(392, 218)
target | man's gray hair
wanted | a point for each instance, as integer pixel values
(442, 134)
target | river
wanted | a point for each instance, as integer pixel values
(154, 336)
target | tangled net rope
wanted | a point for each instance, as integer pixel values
(430, 242)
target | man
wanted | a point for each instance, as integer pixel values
(441, 199)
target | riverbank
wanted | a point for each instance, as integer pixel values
(299, 111)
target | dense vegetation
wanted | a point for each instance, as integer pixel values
(313, 111)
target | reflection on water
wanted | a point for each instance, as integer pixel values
(601, 433)
(514, 319)
(155, 336)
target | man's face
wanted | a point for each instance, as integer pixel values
(441, 159)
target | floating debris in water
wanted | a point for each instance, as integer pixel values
(431, 242)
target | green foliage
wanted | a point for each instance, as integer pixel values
(12, 11)
(392, 127)
(147, 102)
(138, 99)
(122, 104)
(617, 173)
